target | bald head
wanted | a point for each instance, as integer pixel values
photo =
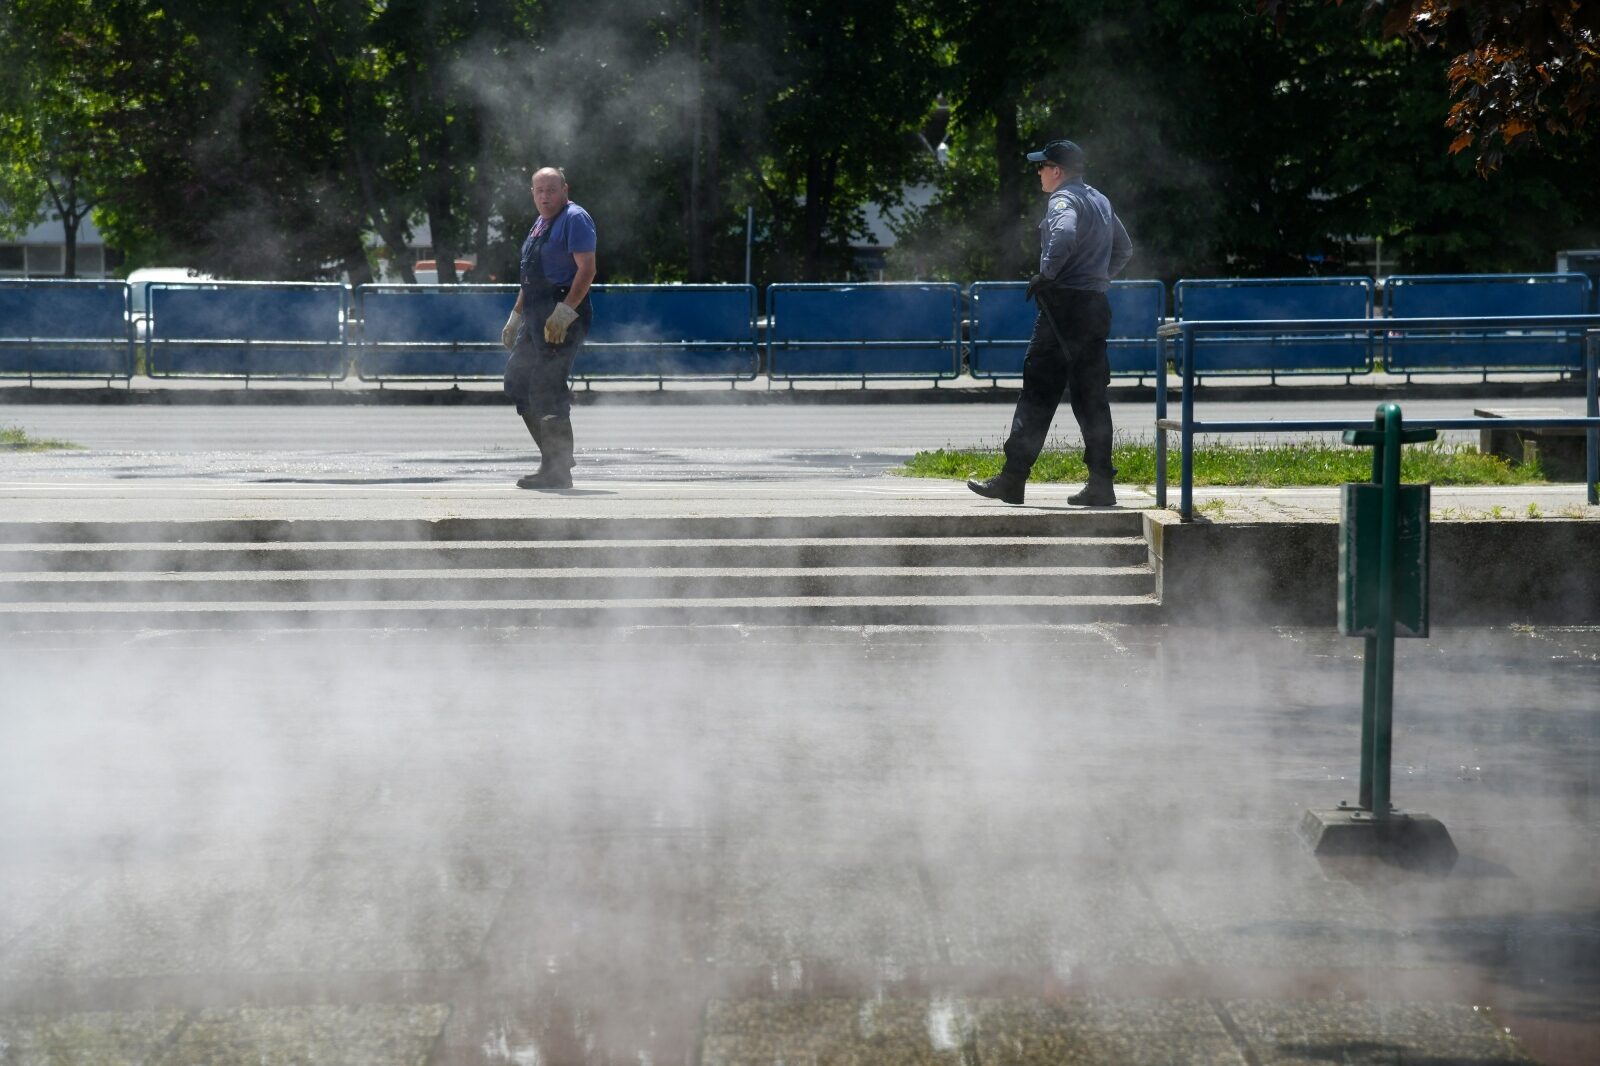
(549, 188)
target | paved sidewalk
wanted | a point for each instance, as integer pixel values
(1007, 846)
(145, 499)
(728, 845)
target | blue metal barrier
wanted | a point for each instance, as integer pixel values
(432, 332)
(873, 330)
(671, 331)
(641, 332)
(1002, 322)
(1186, 334)
(64, 328)
(1414, 351)
(248, 329)
(1285, 350)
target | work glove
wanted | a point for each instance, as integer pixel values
(556, 326)
(508, 335)
(1034, 284)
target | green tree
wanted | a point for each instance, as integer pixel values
(854, 83)
(1517, 68)
(225, 134)
(1232, 146)
(51, 140)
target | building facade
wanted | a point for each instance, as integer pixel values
(41, 252)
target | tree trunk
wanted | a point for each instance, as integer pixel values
(711, 144)
(69, 224)
(400, 253)
(357, 265)
(372, 194)
(811, 218)
(482, 206)
(71, 213)
(441, 221)
(821, 174)
(703, 201)
(696, 117)
(1012, 259)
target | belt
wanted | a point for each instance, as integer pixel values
(558, 291)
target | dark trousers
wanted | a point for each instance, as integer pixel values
(1083, 320)
(537, 373)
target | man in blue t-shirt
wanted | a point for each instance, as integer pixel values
(548, 324)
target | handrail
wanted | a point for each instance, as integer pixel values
(1454, 323)
(1340, 425)
(1184, 333)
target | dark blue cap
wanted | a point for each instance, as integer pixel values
(1063, 154)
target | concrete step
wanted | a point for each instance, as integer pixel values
(581, 583)
(536, 554)
(817, 610)
(983, 568)
(984, 523)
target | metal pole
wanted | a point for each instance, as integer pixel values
(749, 238)
(1591, 373)
(1369, 671)
(1161, 413)
(1383, 695)
(1186, 438)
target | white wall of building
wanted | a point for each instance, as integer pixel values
(41, 252)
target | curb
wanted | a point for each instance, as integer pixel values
(457, 397)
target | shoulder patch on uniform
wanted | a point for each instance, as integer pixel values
(1058, 204)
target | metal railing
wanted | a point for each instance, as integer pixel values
(1187, 427)
(907, 330)
(65, 328)
(249, 330)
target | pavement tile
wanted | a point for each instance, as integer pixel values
(594, 953)
(1379, 1034)
(938, 1030)
(865, 915)
(104, 1038)
(1500, 922)
(296, 1036)
(1103, 1032)
(630, 902)
(1063, 917)
(836, 1032)
(1291, 921)
(391, 911)
(192, 915)
(28, 891)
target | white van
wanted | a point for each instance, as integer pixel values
(139, 292)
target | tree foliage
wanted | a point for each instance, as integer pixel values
(296, 138)
(51, 136)
(1231, 144)
(1517, 67)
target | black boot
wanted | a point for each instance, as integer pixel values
(556, 445)
(1005, 487)
(1096, 493)
(533, 480)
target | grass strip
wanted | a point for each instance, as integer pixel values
(1265, 465)
(16, 439)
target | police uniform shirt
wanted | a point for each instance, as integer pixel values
(570, 231)
(1083, 244)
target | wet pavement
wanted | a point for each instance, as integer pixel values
(735, 846)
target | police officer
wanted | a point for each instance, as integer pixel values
(1083, 245)
(548, 324)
